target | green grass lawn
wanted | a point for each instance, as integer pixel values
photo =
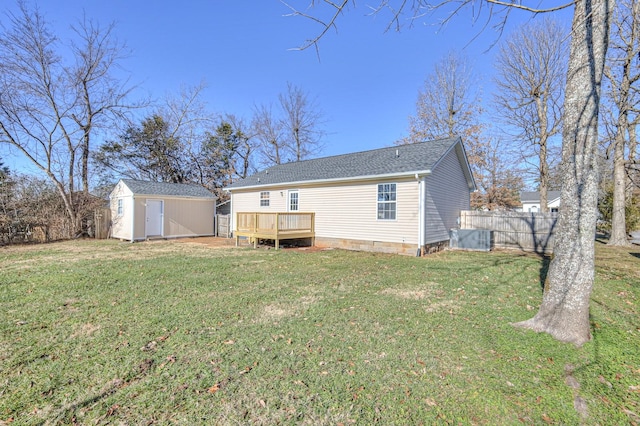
(105, 332)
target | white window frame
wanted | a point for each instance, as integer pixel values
(265, 198)
(120, 208)
(290, 195)
(387, 198)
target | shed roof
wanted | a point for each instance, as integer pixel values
(419, 157)
(141, 187)
(534, 196)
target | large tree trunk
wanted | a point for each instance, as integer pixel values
(630, 166)
(564, 312)
(618, 218)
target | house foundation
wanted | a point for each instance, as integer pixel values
(363, 245)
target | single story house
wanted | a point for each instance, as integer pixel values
(531, 201)
(141, 210)
(401, 199)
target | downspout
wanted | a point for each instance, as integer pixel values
(422, 213)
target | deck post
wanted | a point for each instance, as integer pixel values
(255, 230)
(313, 229)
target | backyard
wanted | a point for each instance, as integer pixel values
(170, 332)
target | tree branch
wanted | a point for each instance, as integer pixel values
(531, 9)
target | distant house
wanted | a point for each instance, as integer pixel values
(401, 199)
(531, 201)
(141, 210)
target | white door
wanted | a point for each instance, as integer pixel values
(154, 218)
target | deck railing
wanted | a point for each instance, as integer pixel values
(275, 226)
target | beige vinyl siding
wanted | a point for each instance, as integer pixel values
(140, 215)
(182, 217)
(186, 218)
(346, 211)
(447, 194)
(250, 201)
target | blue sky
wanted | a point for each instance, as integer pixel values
(365, 80)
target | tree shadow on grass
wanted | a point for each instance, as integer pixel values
(545, 261)
(542, 242)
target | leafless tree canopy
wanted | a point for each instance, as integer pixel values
(448, 104)
(291, 130)
(49, 108)
(531, 70)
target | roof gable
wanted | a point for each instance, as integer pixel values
(403, 159)
(141, 187)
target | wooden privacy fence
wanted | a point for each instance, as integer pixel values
(102, 223)
(524, 231)
(275, 226)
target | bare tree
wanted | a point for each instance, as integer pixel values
(290, 131)
(531, 70)
(564, 312)
(302, 122)
(623, 77)
(246, 150)
(100, 97)
(269, 132)
(50, 109)
(447, 105)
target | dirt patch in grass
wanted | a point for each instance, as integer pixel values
(275, 312)
(85, 330)
(407, 294)
(211, 242)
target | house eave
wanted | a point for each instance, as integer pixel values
(417, 174)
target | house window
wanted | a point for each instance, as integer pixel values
(264, 199)
(294, 201)
(120, 206)
(387, 201)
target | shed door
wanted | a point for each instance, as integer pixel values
(154, 218)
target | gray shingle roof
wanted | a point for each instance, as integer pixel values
(418, 157)
(141, 187)
(534, 197)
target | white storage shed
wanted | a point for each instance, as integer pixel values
(143, 210)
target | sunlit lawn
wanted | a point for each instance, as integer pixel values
(105, 332)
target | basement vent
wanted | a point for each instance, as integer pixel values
(471, 239)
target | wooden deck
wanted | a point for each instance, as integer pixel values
(275, 226)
